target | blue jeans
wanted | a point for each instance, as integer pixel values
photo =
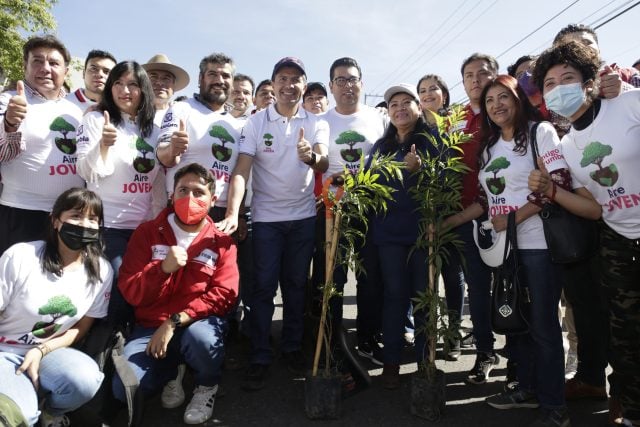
(116, 241)
(478, 278)
(282, 252)
(200, 345)
(539, 354)
(68, 379)
(403, 276)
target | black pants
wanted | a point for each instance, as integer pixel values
(21, 225)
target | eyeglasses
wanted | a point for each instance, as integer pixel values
(342, 81)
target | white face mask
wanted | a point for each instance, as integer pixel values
(565, 99)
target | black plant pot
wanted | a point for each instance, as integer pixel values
(322, 397)
(428, 396)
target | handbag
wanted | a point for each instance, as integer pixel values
(570, 238)
(510, 294)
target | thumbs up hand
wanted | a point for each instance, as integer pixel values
(16, 109)
(179, 140)
(412, 159)
(305, 152)
(539, 179)
(109, 132)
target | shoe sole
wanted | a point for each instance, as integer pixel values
(371, 358)
(512, 405)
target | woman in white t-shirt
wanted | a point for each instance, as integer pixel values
(51, 291)
(116, 147)
(602, 149)
(504, 166)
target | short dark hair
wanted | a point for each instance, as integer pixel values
(574, 28)
(102, 54)
(244, 78)
(265, 82)
(85, 201)
(146, 109)
(47, 41)
(511, 69)
(198, 170)
(344, 62)
(441, 84)
(493, 63)
(216, 58)
(582, 58)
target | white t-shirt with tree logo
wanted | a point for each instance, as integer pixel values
(352, 136)
(36, 306)
(505, 181)
(605, 159)
(125, 179)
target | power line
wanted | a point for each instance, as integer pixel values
(392, 73)
(614, 17)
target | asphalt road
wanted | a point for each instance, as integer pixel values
(281, 402)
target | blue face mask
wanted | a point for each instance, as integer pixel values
(565, 99)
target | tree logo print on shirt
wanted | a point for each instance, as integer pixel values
(221, 152)
(57, 306)
(142, 164)
(594, 154)
(496, 185)
(64, 144)
(350, 138)
(268, 139)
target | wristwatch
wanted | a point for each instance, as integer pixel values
(175, 320)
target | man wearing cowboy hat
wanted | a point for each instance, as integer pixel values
(166, 79)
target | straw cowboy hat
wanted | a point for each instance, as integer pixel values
(161, 62)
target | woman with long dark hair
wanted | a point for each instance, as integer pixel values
(51, 291)
(116, 155)
(504, 166)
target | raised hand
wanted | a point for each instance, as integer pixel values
(179, 140)
(539, 179)
(412, 159)
(304, 148)
(109, 132)
(16, 109)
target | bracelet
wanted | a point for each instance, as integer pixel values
(554, 188)
(44, 349)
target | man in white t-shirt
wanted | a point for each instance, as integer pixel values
(166, 79)
(281, 146)
(37, 142)
(97, 67)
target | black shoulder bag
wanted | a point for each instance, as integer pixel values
(570, 238)
(510, 294)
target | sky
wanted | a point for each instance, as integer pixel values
(393, 40)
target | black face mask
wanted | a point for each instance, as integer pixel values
(77, 237)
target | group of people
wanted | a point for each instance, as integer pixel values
(119, 201)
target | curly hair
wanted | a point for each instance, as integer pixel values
(579, 56)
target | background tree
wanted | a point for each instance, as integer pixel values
(18, 17)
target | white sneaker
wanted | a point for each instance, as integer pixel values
(571, 367)
(200, 408)
(173, 393)
(48, 420)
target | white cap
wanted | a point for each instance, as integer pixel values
(490, 244)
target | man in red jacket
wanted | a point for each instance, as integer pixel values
(180, 275)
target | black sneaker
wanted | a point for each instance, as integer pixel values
(371, 350)
(454, 351)
(513, 399)
(552, 418)
(511, 381)
(295, 362)
(485, 362)
(254, 378)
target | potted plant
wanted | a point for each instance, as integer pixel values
(438, 192)
(358, 197)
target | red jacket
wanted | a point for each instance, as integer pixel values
(470, 157)
(207, 285)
